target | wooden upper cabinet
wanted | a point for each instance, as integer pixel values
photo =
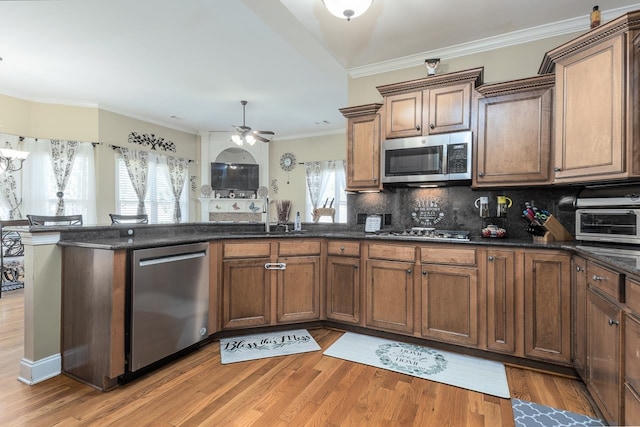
(403, 115)
(363, 147)
(596, 117)
(433, 105)
(514, 133)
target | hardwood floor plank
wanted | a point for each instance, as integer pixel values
(304, 389)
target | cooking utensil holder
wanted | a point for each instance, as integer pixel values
(555, 232)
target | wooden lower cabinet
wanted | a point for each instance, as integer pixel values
(503, 313)
(450, 304)
(389, 295)
(547, 299)
(246, 293)
(604, 376)
(298, 290)
(632, 369)
(343, 289)
(579, 315)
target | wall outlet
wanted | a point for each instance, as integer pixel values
(361, 218)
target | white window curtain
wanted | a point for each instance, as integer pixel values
(177, 168)
(137, 163)
(159, 200)
(40, 185)
(63, 153)
(11, 183)
(326, 184)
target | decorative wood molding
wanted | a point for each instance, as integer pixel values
(474, 75)
(625, 23)
(360, 110)
(152, 141)
(544, 81)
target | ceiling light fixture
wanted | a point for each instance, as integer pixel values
(347, 9)
(12, 160)
(241, 139)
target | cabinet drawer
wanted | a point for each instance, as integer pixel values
(298, 247)
(631, 407)
(632, 351)
(604, 279)
(343, 248)
(246, 249)
(632, 295)
(448, 255)
(392, 252)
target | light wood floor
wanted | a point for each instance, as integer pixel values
(306, 389)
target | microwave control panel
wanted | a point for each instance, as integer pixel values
(457, 154)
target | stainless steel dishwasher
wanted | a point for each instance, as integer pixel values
(169, 301)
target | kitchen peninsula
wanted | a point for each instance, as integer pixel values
(450, 291)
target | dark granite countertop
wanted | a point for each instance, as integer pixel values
(145, 236)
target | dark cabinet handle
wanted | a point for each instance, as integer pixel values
(597, 278)
(490, 258)
(342, 248)
(480, 174)
(557, 169)
(424, 273)
(409, 271)
(417, 127)
(613, 322)
(578, 268)
(432, 126)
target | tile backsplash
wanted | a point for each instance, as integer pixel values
(453, 208)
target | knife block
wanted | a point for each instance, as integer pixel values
(555, 232)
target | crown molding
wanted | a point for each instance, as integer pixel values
(559, 28)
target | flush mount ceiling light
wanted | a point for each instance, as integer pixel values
(347, 9)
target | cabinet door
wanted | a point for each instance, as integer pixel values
(450, 304)
(449, 109)
(389, 287)
(589, 131)
(514, 139)
(604, 355)
(404, 115)
(363, 152)
(501, 300)
(246, 293)
(298, 297)
(343, 289)
(547, 302)
(579, 304)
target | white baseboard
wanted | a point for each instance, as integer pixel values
(34, 372)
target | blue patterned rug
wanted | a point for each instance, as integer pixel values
(528, 414)
(12, 286)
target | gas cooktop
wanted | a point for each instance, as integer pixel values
(427, 233)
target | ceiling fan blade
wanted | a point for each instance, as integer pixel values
(259, 138)
(264, 132)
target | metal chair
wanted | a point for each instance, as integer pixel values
(129, 219)
(55, 219)
(11, 256)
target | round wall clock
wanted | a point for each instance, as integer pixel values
(287, 162)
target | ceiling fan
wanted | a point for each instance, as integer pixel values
(245, 134)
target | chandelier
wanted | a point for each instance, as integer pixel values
(347, 9)
(12, 160)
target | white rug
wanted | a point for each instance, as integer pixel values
(467, 372)
(261, 346)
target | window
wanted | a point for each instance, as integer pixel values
(159, 202)
(331, 192)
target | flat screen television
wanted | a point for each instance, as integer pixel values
(235, 176)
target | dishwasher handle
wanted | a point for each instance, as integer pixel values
(171, 258)
(275, 266)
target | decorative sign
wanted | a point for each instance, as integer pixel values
(427, 212)
(151, 141)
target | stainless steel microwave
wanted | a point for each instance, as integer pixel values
(426, 159)
(618, 225)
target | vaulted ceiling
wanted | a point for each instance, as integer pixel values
(187, 64)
